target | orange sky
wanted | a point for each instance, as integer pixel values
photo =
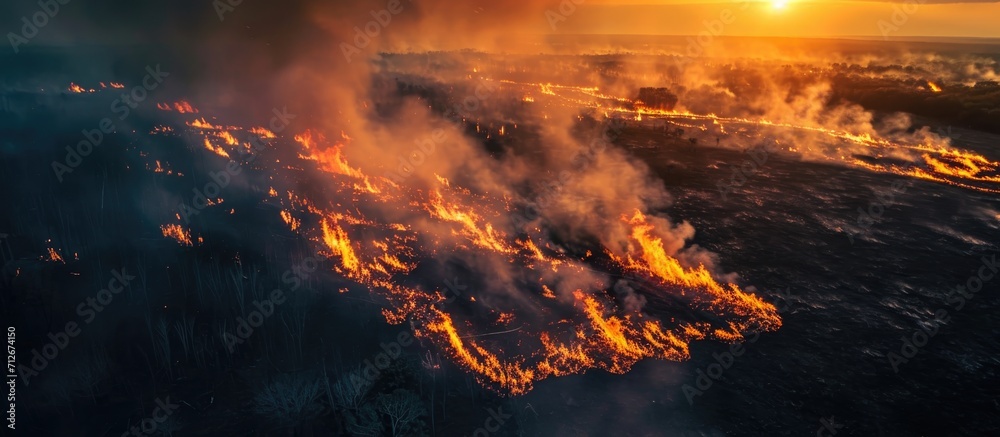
(796, 18)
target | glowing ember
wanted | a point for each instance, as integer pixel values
(218, 150)
(74, 88)
(200, 123)
(182, 107)
(262, 132)
(178, 233)
(54, 256)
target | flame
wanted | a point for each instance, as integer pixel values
(262, 132)
(376, 255)
(182, 107)
(54, 256)
(178, 233)
(218, 150)
(291, 221)
(511, 352)
(963, 169)
(654, 260)
(338, 242)
(161, 129)
(473, 226)
(228, 138)
(592, 330)
(200, 123)
(74, 88)
(330, 159)
(161, 169)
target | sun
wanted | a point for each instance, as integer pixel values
(779, 4)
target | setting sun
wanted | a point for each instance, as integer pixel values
(780, 4)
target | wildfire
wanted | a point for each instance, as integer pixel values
(565, 328)
(54, 256)
(200, 123)
(74, 88)
(161, 130)
(339, 243)
(507, 350)
(330, 159)
(262, 132)
(228, 138)
(376, 254)
(939, 165)
(473, 227)
(291, 221)
(161, 169)
(218, 150)
(178, 233)
(182, 107)
(963, 169)
(654, 260)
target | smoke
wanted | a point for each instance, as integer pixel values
(328, 60)
(387, 85)
(324, 60)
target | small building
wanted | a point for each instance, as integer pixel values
(656, 98)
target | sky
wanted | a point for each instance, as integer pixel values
(786, 18)
(449, 24)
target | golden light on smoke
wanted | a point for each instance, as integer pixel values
(378, 253)
(947, 165)
(352, 216)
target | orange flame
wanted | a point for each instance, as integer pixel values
(54, 256)
(74, 88)
(200, 123)
(178, 233)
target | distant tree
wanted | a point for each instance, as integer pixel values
(402, 408)
(289, 399)
(350, 390)
(364, 422)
